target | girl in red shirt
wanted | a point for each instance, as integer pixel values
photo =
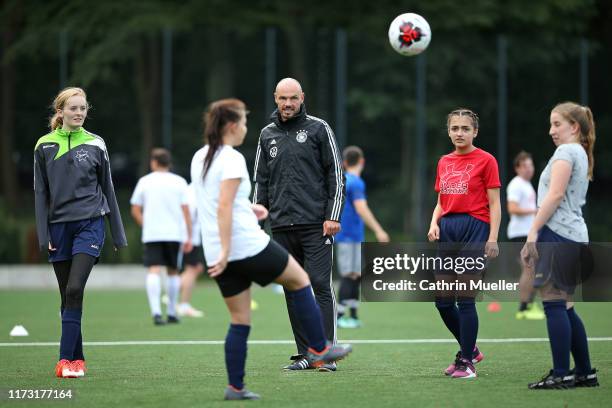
(468, 211)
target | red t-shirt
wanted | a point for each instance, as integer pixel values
(462, 181)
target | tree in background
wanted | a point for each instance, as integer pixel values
(11, 24)
(115, 50)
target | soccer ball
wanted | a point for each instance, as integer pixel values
(409, 34)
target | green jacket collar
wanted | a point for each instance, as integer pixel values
(64, 133)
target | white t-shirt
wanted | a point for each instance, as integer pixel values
(196, 236)
(161, 194)
(521, 192)
(248, 239)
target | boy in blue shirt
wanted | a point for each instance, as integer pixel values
(348, 241)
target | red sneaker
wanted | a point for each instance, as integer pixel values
(464, 369)
(65, 369)
(79, 367)
(477, 357)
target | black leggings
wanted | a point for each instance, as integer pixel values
(71, 277)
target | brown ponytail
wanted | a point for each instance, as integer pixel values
(582, 115)
(219, 114)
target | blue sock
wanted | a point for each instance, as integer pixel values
(468, 321)
(236, 353)
(78, 350)
(71, 329)
(559, 335)
(309, 314)
(450, 315)
(580, 345)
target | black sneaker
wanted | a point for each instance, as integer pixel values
(173, 319)
(158, 321)
(299, 363)
(550, 382)
(233, 394)
(588, 380)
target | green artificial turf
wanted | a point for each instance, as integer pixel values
(375, 375)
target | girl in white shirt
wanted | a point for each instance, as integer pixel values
(238, 252)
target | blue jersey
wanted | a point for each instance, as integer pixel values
(352, 224)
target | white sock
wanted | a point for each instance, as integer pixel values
(174, 287)
(154, 293)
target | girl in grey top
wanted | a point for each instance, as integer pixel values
(566, 220)
(559, 223)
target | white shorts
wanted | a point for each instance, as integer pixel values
(348, 256)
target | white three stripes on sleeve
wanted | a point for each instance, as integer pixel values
(335, 214)
(257, 155)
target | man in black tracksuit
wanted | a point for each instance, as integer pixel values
(299, 178)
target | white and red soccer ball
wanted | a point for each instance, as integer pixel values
(409, 34)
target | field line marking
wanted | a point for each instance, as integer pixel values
(281, 342)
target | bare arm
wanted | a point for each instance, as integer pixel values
(227, 194)
(491, 247)
(560, 174)
(495, 213)
(434, 228)
(362, 208)
(137, 214)
(515, 209)
(187, 246)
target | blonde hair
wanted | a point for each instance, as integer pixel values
(58, 104)
(582, 115)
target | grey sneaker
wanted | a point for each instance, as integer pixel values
(232, 394)
(331, 353)
(328, 368)
(299, 363)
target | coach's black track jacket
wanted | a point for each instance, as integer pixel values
(298, 172)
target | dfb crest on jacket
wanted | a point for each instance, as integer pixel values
(301, 136)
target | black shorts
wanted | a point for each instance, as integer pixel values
(561, 261)
(195, 257)
(461, 245)
(522, 239)
(163, 254)
(262, 268)
(76, 237)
